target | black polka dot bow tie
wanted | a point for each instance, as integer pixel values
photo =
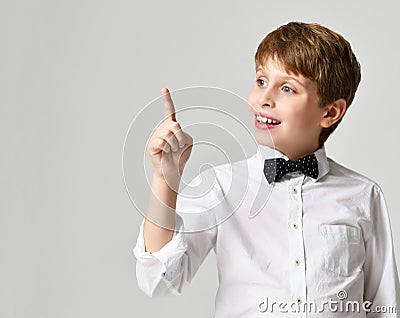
(276, 168)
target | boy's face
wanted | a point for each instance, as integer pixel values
(293, 102)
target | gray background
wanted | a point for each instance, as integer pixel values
(73, 74)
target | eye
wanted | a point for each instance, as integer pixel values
(287, 89)
(261, 82)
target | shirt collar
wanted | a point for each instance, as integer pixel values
(266, 152)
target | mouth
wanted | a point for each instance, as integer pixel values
(266, 122)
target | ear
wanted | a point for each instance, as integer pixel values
(333, 112)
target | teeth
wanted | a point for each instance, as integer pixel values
(267, 120)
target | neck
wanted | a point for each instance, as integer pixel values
(294, 156)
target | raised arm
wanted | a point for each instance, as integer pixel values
(169, 149)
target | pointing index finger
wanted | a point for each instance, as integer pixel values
(169, 109)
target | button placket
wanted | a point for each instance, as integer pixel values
(297, 272)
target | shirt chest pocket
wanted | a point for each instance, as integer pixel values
(343, 248)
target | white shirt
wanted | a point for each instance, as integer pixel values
(301, 243)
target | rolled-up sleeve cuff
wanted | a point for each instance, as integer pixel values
(165, 264)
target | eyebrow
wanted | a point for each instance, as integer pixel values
(259, 69)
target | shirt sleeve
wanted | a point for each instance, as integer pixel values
(168, 270)
(159, 273)
(381, 286)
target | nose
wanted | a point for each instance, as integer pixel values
(266, 99)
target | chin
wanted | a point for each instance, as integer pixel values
(264, 140)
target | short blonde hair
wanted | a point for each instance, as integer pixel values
(319, 54)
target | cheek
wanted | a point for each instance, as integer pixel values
(251, 101)
(296, 119)
(249, 107)
(254, 93)
(302, 116)
(251, 98)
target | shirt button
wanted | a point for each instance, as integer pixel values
(294, 190)
(298, 300)
(294, 225)
(297, 262)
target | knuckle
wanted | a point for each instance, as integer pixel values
(150, 147)
(155, 144)
(175, 126)
(160, 142)
(170, 136)
(166, 133)
(164, 125)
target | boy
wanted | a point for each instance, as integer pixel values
(319, 243)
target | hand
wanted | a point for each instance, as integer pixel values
(169, 147)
